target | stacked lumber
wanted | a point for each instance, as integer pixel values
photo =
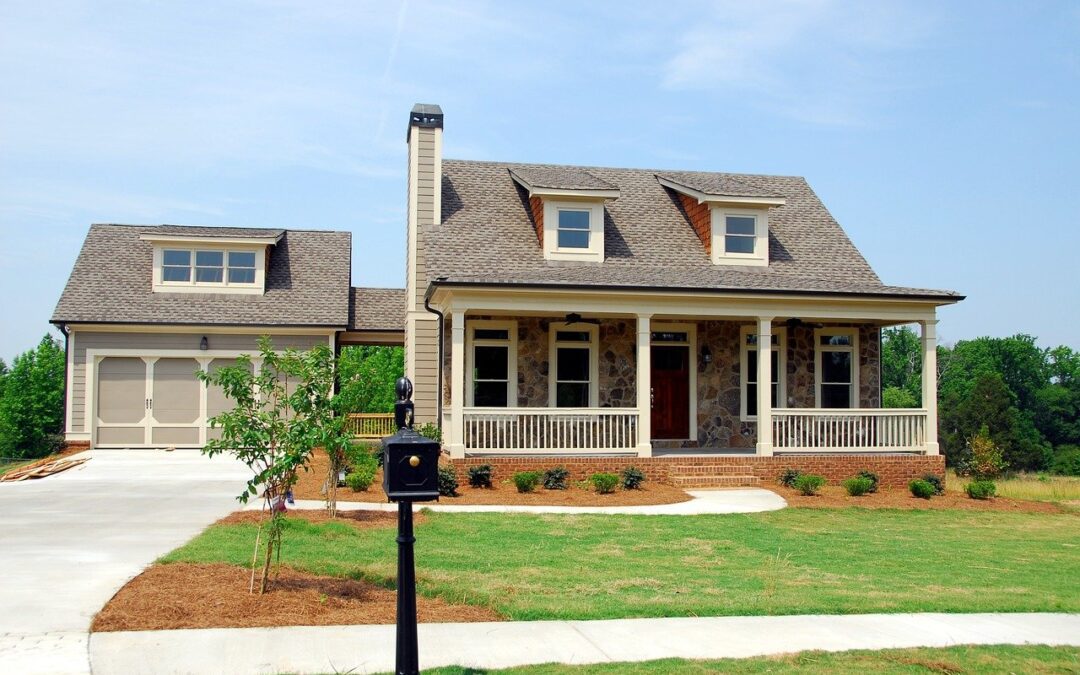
(41, 470)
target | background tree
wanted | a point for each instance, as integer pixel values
(367, 375)
(901, 368)
(32, 402)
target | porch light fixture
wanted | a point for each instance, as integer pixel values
(573, 317)
(706, 355)
(204, 344)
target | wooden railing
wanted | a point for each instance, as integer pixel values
(832, 430)
(551, 430)
(371, 426)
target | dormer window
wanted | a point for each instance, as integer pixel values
(567, 208)
(740, 236)
(187, 263)
(573, 228)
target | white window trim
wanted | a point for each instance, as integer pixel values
(744, 372)
(594, 365)
(720, 256)
(692, 345)
(853, 348)
(595, 251)
(191, 286)
(511, 343)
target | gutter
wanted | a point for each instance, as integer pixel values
(439, 370)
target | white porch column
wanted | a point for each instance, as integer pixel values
(457, 385)
(644, 385)
(764, 386)
(929, 383)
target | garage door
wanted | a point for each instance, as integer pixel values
(122, 403)
(175, 403)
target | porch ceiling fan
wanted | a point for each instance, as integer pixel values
(795, 322)
(574, 317)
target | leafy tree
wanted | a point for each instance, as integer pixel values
(1057, 413)
(367, 375)
(32, 404)
(901, 365)
(282, 413)
(3, 376)
(895, 397)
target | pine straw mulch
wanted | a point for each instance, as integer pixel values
(358, 519)
(190, 595)
(835, 497)
(310, 483)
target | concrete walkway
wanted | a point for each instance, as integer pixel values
(737, 500)
(370, 649)
(71, 540)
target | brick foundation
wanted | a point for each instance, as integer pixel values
(894, 471)
(76, 445)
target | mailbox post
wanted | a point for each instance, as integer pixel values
(410, 474)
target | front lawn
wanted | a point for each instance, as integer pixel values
(795, 561)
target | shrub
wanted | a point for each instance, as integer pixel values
(430, 431)
(605, 483)
(789, 476)
(858, 486)
(480, 476)
(981, 489)
(555, 478)
(32, 407)
(361, 478)
(872, 477)
(937, 481)
(809, 484)
(448, 483)
(1066, 460)
(526, 481)
(921, 489)
(632, 478)
(985, 456)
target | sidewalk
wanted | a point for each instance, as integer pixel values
(704, 502)
(370, 649)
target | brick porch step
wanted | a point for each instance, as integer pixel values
(705, 469)
(714, 481)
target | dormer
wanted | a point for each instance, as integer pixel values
(731, 217)
(198, 260)
(567, 206)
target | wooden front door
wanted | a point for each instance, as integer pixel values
(670, 392)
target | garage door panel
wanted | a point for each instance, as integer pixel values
(176, 391)
(121, 435)
(121, 390)
(175, 436)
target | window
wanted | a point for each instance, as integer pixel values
(574, 371)
(208, 267)
(836, 367)
(740, 236)
(749, 366)
(241, 267)
(573, 229)
(176, 266)
(492, 368)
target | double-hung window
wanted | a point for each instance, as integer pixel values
(749, 370)
(740, 234)
(574, 370)
(573, 228)
(492, 354)
(176, 266)
(837, 367)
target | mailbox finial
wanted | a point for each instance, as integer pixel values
(403, 409)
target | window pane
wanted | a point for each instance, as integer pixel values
(208, 275)
(776, 396)
(176, 273)
(489, 394)
(751, 365)
(572, 395)
(182, 258)
(209, 258)
(490, 363)
(751, 400)
(242, 259)
(740, 225)
(573, 220)
(775, 366)
(241, 275)
(491, 334)
(738, 244)
(573, 336)
(835, 396)
(751, 339)
(836, 367)
(573, 239)
(670, 358)
(836, 339)
(573, 364)
(669, 337)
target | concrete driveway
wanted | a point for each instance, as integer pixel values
(70, 541)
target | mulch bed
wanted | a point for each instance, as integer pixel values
(834, 497)
(359, 519)
(188, 595)
(310, 483)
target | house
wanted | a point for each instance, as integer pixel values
(588, 313)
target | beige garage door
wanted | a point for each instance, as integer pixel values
(122, 403)
(175, 403)
(216, 402)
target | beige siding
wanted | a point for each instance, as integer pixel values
(85, 340)
(426, 184)
(427, 373)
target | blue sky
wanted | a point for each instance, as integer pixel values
(945, 137)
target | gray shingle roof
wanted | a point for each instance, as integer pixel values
(721, 184)
(233, 232)
(486, 237)
(560, 178)
(307, 282)
(377, 309)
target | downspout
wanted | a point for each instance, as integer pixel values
(438, 379)
(67, 347)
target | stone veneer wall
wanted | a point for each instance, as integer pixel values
(718, 382)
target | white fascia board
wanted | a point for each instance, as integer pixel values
(211, 241)
(703, 198)
(564, 193)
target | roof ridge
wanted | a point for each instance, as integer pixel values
(586, 167)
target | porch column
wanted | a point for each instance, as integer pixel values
(764, 386)
(929, 383)
(457, 385)
(644, 385)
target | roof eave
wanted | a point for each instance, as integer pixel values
(711, 198)
(209, 239)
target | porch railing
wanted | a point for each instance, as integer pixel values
(551, 430)
(370, 426)
(832, 430)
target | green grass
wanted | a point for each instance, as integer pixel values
(795, 561)
(1037, 486)
(964, 659)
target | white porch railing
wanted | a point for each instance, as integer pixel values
(856, 430)
(551, 430)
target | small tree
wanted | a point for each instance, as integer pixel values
(282, 411)
(984, 459)
(32, 404)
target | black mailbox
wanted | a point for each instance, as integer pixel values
(410, 461)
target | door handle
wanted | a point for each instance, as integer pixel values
(652, 398)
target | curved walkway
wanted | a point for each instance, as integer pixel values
(740, 500)
(370, 649)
